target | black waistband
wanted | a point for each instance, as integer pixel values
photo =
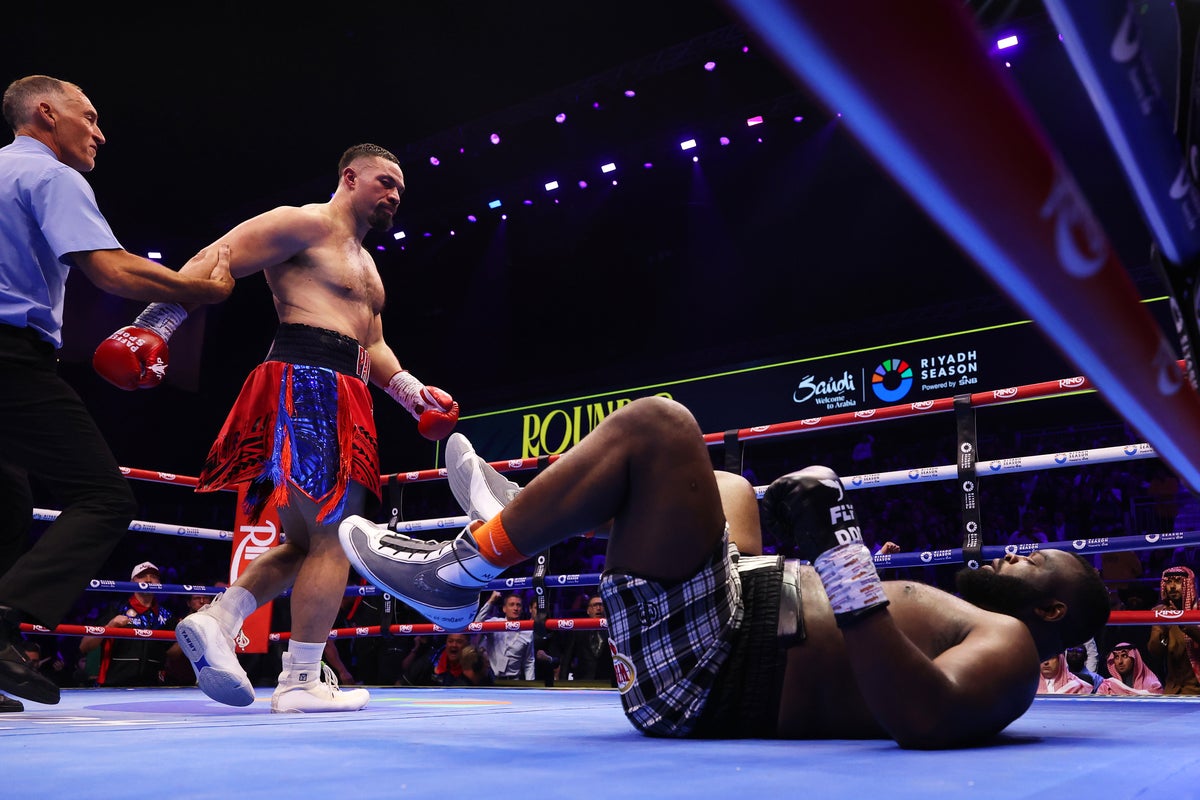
(23, 339)
(26, 333)
(318, 347)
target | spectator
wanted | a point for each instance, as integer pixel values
(1140, 596)
(178, 670)
(1163, 488)
(416, 668)
(586, 656)
(128, 661)
(1057, 679)
(1120, 570)
(51, 664)
(547, 647)
(461, 664)
(339, 653)
(1130, 675)
(863, 454)
(509, 652)
(1030, 531)
(1077, 663)
(1177, 645)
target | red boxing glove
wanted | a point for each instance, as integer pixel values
(437, 421)
(132, 358)
(136, 356)
(434, 409)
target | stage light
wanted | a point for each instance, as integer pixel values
(154, 255)
(494, 138)
(797, 119)
(648, 165)
(494, 204)
(709, 66)
(551, 186)
(724, 140)
(398, 235)
(560, 118)
(687, 145)
(750, 123)
(1006, 42)
(609, 167)
(583, 184)
(434, 160)
(630, 93)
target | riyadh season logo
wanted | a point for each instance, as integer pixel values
(892, 380)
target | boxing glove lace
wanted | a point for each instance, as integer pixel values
(434, 409)
(809, 507)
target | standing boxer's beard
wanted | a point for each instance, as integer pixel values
(381, 220)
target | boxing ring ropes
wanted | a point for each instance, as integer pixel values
(967, 472)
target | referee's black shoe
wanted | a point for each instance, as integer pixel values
(17, 675)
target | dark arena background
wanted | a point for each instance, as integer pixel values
(606, 201)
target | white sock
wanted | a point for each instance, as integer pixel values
(306, 655)
(232, 609)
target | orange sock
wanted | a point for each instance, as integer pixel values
(495, 546)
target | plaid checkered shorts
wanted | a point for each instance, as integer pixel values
(669, 641)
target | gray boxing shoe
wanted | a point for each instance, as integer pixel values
(480, 490)
(441, 580)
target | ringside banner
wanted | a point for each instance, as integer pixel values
(904, 372)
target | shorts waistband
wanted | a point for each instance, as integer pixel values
(318, 347)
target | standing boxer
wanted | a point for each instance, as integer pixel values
(301, 434)
(708, 642)
(51, 223)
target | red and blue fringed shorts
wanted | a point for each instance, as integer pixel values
(304, 418)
